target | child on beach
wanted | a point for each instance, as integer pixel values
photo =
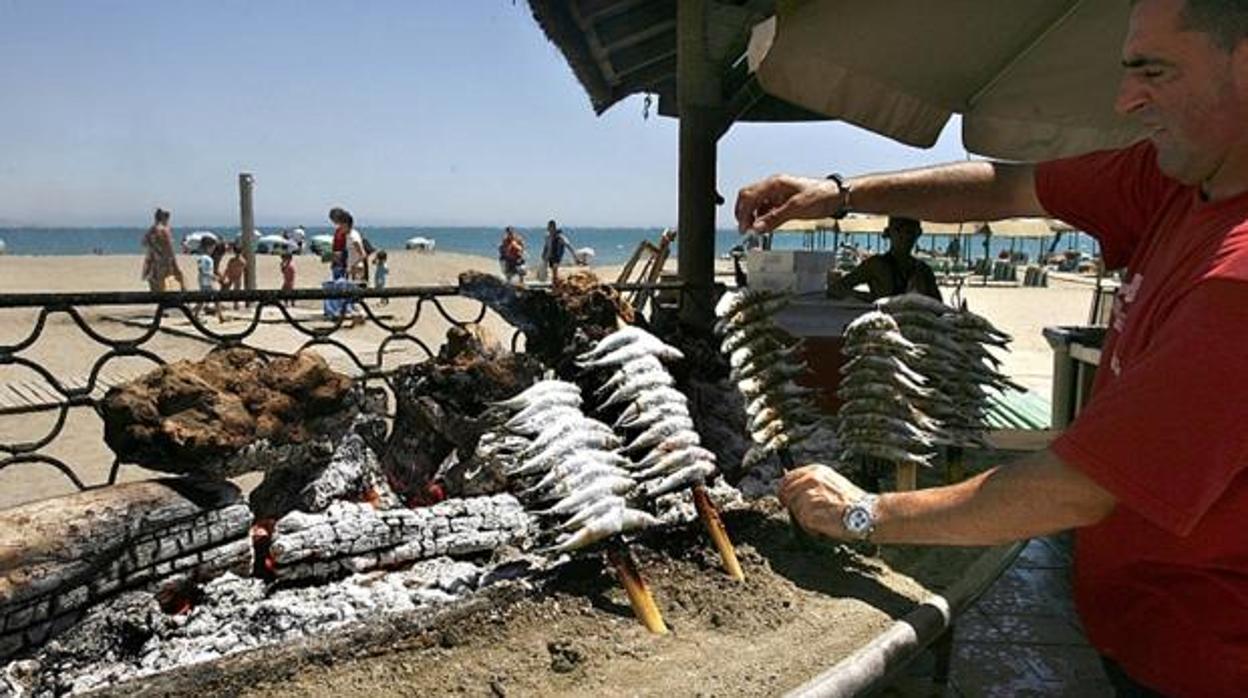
(234, 270)
(207, 275)
(380, 272)
(288, 275)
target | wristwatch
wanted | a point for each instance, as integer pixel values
(859, 517)
(843, 209)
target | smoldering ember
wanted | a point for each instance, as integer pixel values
(361, 514)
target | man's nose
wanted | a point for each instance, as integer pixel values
(1131, 96)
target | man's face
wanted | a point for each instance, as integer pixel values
(901, 237)
(1183, 88)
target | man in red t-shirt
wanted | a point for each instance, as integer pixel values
(1153, 474)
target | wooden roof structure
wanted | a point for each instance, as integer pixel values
(618, 48)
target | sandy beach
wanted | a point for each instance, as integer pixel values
(69, 353)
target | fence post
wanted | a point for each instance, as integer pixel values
(248, 224)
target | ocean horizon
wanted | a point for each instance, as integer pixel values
(610, 245)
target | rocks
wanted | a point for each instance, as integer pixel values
(230, 413)
(65, 554)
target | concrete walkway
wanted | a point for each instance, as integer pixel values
(1021, 638)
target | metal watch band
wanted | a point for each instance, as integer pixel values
(864, 507)
(844, 209)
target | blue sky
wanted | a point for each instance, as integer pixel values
(408, 113)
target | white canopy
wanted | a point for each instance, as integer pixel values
(1033, 79)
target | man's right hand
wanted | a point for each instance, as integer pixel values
(764, 205)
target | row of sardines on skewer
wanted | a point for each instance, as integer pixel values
(919, 374)
(765, 362)
(577, 472)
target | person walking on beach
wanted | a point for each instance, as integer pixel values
(287, 269)
(346, 253)
(1152, 474)
(892, 273)
(381, 271)
(511, 256)
(235, 268)
(159, 259)
(207, 276)
(556, 245)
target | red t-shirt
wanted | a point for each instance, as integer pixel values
(1162, 583)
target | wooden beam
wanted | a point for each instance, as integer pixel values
(700, 91)
(629, 58)
(641, 22)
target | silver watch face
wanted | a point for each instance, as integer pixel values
(857, 520)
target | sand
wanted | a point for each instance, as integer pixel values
(66, 351)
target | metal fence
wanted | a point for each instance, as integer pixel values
(61, 392)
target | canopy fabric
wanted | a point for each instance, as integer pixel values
(1033, 79)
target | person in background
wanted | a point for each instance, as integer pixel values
(218, 253)
(235, 268)
(381, 271)
(207, 276)
(346, 252)
(298, 236)
(892, 273)
(511, 256)
(1152, 473)
(555, 247)
(159, 260)
(287, 268)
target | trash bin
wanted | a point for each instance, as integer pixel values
(1072, 372)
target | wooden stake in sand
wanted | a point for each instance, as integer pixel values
(715, 529)
(638, 593)
(907, 476)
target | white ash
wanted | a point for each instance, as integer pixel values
(233, 615)
(351, 537)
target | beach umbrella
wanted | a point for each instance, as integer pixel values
(1032, 79)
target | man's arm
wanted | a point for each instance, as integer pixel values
(1035, 496)
(861, 274)
(966, 191)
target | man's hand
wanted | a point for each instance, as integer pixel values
(764, 205)
(816, 497)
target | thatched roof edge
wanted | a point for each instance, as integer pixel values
(561, 30)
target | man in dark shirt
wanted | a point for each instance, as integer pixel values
(893, 273)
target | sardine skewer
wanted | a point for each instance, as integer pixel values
(639, 596)
(715, 529)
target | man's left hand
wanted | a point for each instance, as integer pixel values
(816, 497)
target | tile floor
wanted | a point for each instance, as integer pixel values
(1021, 638)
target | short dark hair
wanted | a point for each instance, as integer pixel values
(1225, 21)
(340, 215)
(161, 215)
(907, 223)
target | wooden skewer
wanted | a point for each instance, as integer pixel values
(639, 596)
(715, 529)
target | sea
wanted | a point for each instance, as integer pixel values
(610, 245)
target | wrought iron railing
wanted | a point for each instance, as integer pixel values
(60, 393)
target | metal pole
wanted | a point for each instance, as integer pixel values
(247, 222)
(701, 101)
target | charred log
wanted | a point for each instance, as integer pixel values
(60, 556)
(441, 406)
(353, 473)
(232, 412)
(558, 322)
(350, 538)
